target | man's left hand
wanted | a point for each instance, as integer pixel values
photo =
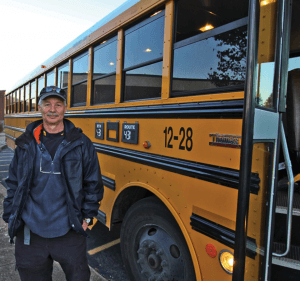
(85, 225)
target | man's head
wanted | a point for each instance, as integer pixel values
(52, 105)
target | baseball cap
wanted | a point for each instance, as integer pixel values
(52, 91)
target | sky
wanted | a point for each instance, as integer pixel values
(31, 31)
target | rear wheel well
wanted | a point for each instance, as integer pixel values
(125, 200)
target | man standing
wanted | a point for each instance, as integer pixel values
(54, 189)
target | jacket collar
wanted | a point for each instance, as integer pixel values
(33, 132)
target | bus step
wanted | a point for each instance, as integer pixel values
(281, 203)
(291, 260)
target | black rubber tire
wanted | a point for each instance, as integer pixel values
(147, 232)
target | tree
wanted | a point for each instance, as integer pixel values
(231, 68)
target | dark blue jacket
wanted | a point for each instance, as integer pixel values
(80, 169)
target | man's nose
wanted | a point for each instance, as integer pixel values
(52, 108)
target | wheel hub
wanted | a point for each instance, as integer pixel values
(155, 256)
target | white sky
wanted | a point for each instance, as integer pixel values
(31, 31)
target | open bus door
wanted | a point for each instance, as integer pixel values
(263, 128)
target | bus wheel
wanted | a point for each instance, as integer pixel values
(152, 245)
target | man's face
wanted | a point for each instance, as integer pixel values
(53, 110)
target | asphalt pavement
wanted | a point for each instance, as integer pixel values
(7, 258)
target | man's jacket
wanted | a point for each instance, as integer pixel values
(80, 170)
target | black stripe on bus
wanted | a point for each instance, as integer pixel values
(101, 217)
(15, 128)
(221, 233)
(10, 137)
(108, 182)
(223, 176)
(215, 109)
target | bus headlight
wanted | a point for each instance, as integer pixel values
(226, 261)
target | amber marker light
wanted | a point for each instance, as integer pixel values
(226, 261)
(206, 28)
(146, 144)
(43, 66)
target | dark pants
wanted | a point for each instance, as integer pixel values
(35, 261)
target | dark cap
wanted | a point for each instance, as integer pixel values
(52, 91)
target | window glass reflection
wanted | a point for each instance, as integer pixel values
(22, 99)
(104, 90)
(144, 82)
(26, 97)
(63, 76)
(265, 90)
(51, 78)
(41, 83)
(79, 94)
(105, 59)
(16, 101)
(195, 17)
(80, 69)
(144, 44)
(32, 96)
(217, 61)
(13, 103)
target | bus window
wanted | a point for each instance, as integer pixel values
(16, 101)
(41, 84)
(63, 77)
(51, 78)
(32, 96)
(7, 104)
(79, 80)
(26, 102)
(104, 72)
(13, 106)
(22, 99)
(210, 47)
(143, 59)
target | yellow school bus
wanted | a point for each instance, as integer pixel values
(192, 107)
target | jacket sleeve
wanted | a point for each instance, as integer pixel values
(92, 181)
(12, 184)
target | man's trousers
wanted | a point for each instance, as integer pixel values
(35, 261)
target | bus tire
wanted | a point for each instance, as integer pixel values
(152, 244)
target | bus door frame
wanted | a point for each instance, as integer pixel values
(255, 121)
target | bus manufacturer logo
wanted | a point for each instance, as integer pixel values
(232, 141)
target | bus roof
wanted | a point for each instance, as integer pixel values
(78, 40)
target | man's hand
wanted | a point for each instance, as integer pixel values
(84, 225)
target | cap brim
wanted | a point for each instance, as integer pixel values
(51, 94)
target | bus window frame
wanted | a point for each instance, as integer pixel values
(197, 38)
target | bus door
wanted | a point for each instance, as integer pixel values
(263, 138)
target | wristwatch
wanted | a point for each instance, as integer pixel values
(87, 220)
